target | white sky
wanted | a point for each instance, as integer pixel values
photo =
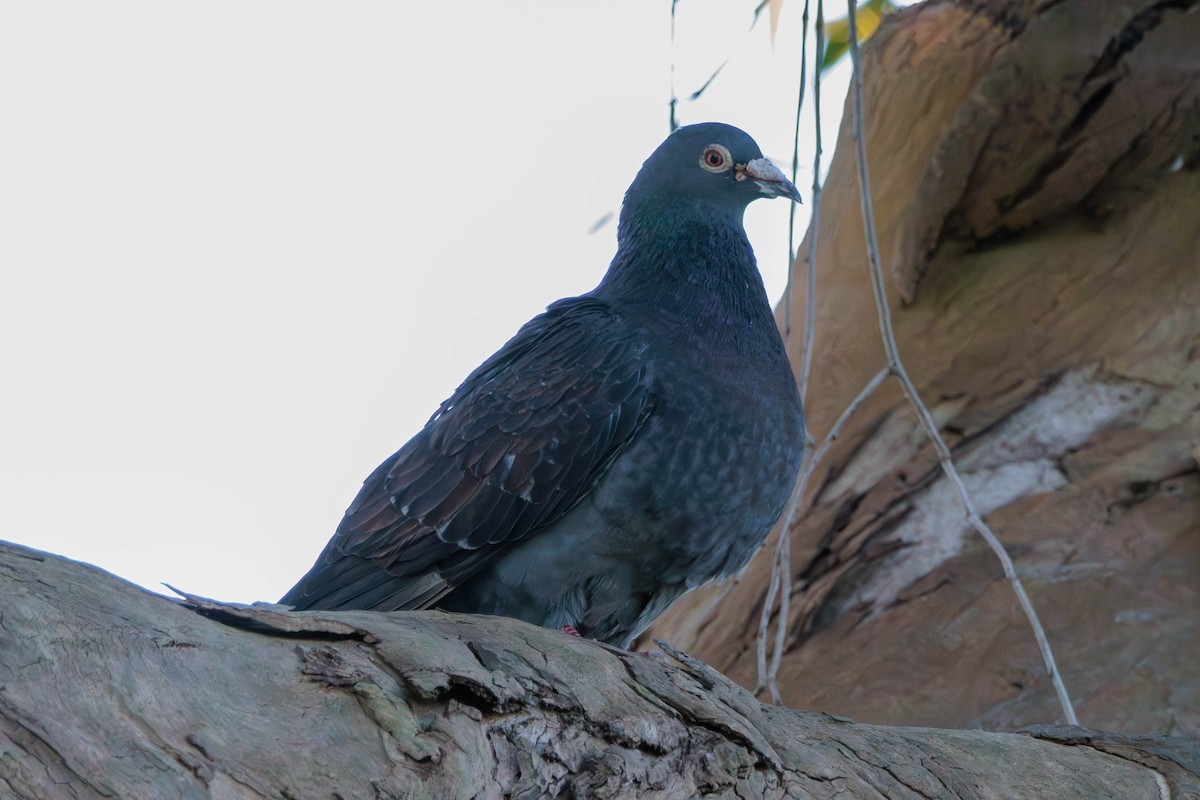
(247, 248)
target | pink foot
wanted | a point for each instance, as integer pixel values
(569, 630)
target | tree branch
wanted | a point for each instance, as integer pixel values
(112, 691)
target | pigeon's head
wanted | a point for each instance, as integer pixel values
(710, 164)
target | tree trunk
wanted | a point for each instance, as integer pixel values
(1034, 168)
(110, 691)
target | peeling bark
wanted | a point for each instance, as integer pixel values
(110, 691)
(1036, 176)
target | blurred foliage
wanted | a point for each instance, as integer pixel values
(868, 15)
(837, 32)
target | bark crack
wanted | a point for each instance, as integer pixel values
(878, 763)
(41, 751)
(694, 715)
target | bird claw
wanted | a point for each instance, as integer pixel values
(569, 630)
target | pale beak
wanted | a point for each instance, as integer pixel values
(770, 179)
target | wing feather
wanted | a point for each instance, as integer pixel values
(519, 444)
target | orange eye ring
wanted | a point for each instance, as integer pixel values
(716, 158)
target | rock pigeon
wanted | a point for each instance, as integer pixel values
(627, 445)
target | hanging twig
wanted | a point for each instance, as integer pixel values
(672, 123)
(768, 605)
(896, 366)
(806, 473)
(815, 218)
(781, 569)
(787, 289)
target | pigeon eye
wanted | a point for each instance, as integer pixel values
(716, 158)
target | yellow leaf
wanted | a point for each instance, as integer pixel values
(837, 33)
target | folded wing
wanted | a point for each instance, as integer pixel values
(516, 447)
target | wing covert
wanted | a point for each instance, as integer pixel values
(518, 444)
